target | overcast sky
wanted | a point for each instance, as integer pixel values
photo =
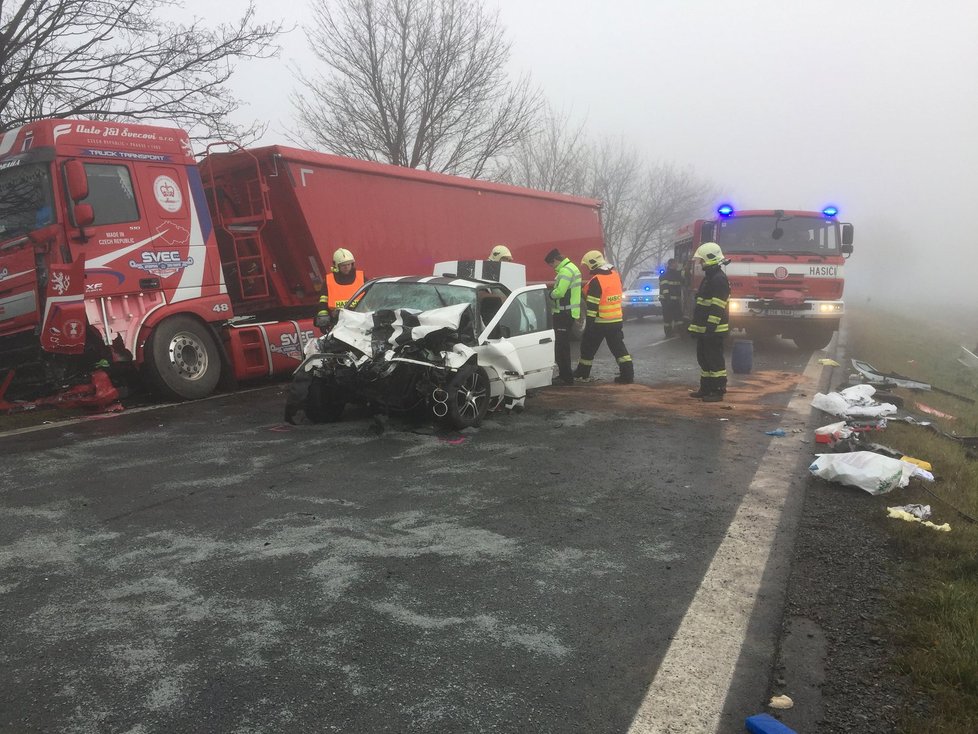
(868, 104)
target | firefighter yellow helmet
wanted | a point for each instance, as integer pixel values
(341, 256)
(593, 260)
(500, 253)
(710, 253)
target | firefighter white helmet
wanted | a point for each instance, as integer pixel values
(500, 253)
(342, 256)
(710, 253)
(593, 260)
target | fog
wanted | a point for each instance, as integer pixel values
(870, 105)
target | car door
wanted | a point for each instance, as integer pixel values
(524, 322)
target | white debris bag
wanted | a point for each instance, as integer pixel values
(853, 402)
(875, 473)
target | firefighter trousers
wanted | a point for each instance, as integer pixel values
(713, 368)
(672, 317)
(594, 334)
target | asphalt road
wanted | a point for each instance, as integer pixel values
(206, 568)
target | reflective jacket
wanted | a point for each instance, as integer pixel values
(604, 295)
(337, 294)
(710, 315)
(566, 294)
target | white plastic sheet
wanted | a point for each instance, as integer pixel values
(853, 402)
(875, 473)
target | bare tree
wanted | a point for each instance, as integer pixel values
(417, 83)
(118, 59)
(555, 157)
(643, 204)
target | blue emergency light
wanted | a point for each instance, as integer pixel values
(662, 271)
(725, 210)
(830, 211)
(647, 288)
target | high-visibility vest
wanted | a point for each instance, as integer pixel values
(609, 305)
(339, 293)
(567, 289)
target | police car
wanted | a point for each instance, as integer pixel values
(642, 298)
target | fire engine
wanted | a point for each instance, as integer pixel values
(119, 250)
(785, 270)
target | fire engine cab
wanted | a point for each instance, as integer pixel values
(785, 270)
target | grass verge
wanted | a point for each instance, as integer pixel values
(936, 615)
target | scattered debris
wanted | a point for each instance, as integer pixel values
(899, 513)
(875, 473)
(781, 702)
(921, 512)
(832, 432)
(766, 724)
(853, 402)
(934, 411)
(776, 432)
(825, 361)
(872, 375)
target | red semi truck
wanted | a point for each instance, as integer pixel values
(118, 249)
(785, 270)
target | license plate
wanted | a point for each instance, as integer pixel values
(781, 312)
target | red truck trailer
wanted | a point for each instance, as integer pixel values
(118, 249)
(785, 270)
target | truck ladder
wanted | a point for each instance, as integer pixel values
(247, 192)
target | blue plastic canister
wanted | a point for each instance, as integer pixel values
(742, 356)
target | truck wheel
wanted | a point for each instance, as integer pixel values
(809, 341)
(322, 403)
(182, 359)
(468, 398)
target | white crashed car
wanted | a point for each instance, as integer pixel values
(454, 347)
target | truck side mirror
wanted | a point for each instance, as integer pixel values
(846, 249)
(83, 214)
(847, 235)
(77, 180)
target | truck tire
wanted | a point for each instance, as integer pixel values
(322, 403)
(813, 339)
(468, 397)
(182, 359)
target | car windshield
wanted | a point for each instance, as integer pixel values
(25, 199)
(419, 296)
(788, 233)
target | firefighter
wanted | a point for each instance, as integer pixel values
(710, 323)
(566, 308)
(500, 254)
(604, 319)
(342, 281)
(670, 290)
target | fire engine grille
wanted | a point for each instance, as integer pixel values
(767, 286)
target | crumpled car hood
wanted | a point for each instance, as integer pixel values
(394, 328)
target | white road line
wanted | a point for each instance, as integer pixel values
(690, 687)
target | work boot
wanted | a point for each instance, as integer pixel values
(582, 372)
(564, 381)
(713, 397)
(704, 390)
(626, 373)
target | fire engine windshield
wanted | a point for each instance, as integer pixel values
(25, 199)
(785, 234)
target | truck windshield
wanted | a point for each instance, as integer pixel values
(25, 199)
(788, 234)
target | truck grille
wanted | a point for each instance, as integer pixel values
(767, 286)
